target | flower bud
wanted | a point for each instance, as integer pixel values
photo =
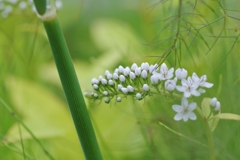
(120, 86)
(119, 99)
(106, 72)
(95, 81)
(95, 86)
(110, 82)
(116, 71)
(104, 81)
(106, 99)
(146, 87)
(218, 106)
(181, 73)
(153, 68)
(126, 71)
(138, 71)
(105, 93)
(122, 78)
(138, 96)
(170, 85)
(95, 95)
(134, 66)
(154, 79)
(109, 76)
(120, 69)
(213, 102)
(132, 75)
(124, 90)
(144, 74)
(115, 76)
(145, 66)
(130, 88)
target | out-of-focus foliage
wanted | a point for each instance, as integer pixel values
(200, 35)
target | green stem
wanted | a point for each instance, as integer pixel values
(208, 133)
(70, 85)
(72, 90)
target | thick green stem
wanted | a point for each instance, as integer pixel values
(209, 134)
(72, 90)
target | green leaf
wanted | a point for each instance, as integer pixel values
(228, 116)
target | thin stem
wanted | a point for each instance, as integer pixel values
(26, 128)
(181, 135)
(208, 133)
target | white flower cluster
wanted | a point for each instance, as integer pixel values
(7, 7)
(143, 80)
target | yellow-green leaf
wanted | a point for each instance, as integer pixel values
(228, 116)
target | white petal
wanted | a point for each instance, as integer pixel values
(201, 90)
(192, 106)
(180, 88)
(184, 82)
(185, 117)
(171, 71)
(187, 94)
(192, 116)
(195, 93)
(163, 68)
(195, 77)
(178, 116)
(207, 85)
(184, 102)
(177, 108)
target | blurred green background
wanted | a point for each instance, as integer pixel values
(102, 35)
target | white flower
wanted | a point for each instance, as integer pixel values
(202, 80)
(132, 75)
(115, 76)
(170, 85)
(124, 90)
(95, 86)
(106, 99)
(119, 99)
(138, 96)
(130, 88)
(154, 79)
(146, 87)
(185, 111)
(122, 78)
(144, 74)
(138, 71)
(189, 87)
(164, 72)
(134, 66)
(145, 66)
(105, 93)
(181, 73)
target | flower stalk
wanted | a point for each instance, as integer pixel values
(208, 134)
(71, 86)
